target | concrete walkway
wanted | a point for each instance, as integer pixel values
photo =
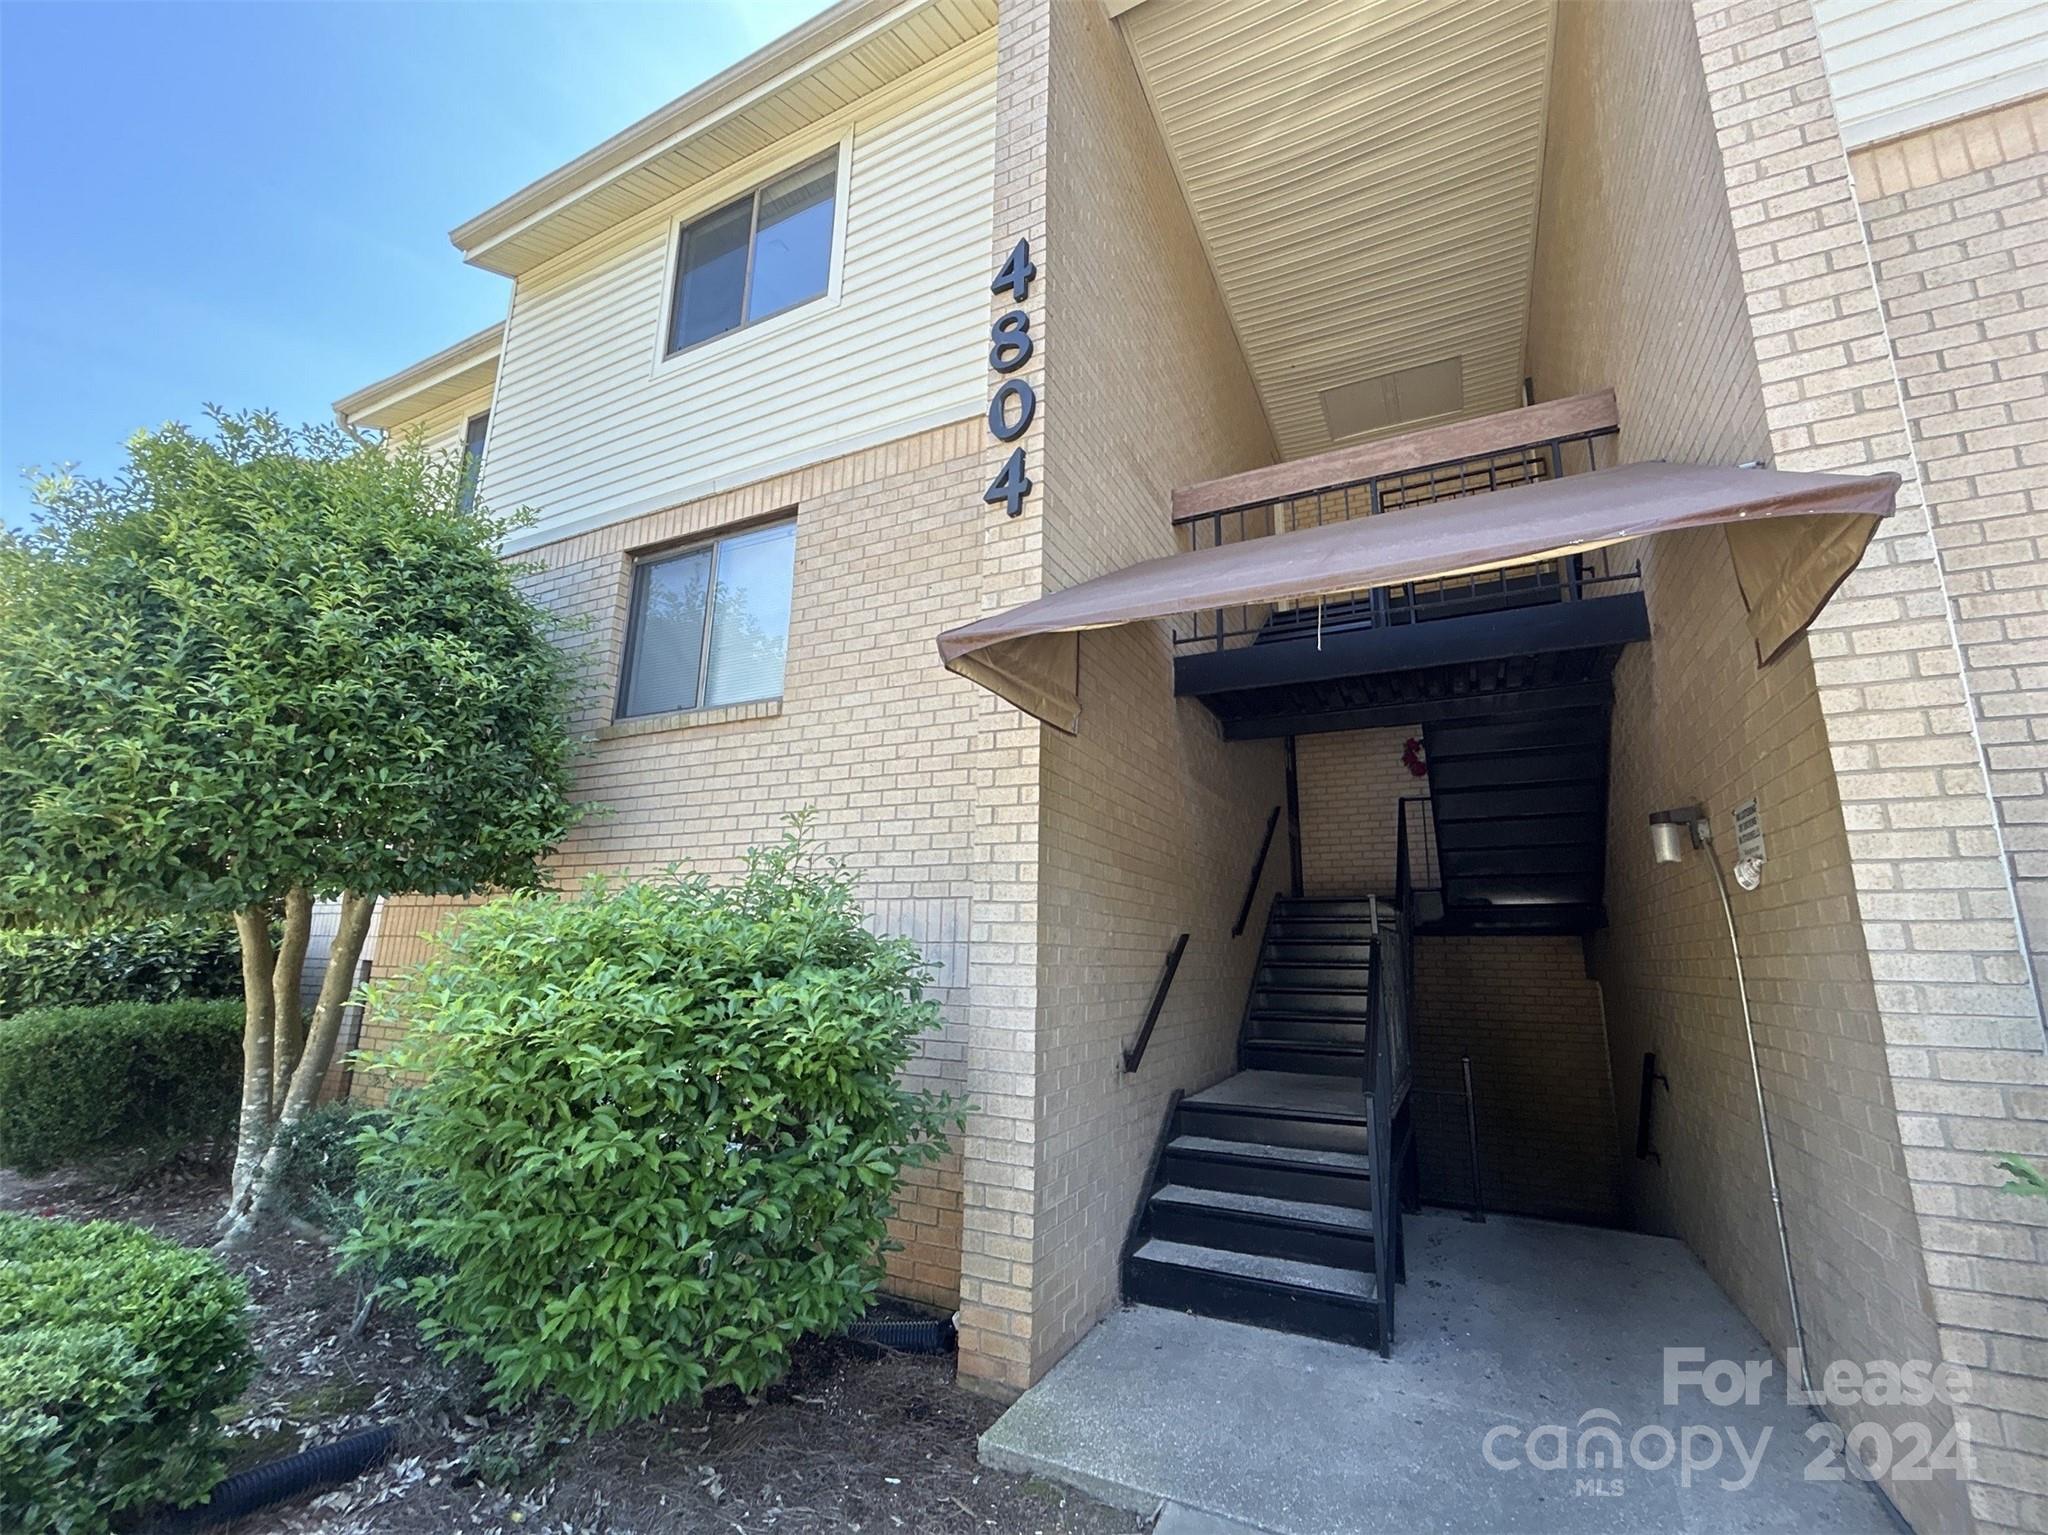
(1502, 1328)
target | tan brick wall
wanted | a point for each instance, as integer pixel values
(869, 732)
(1639, 285)
(1525, 1012)
(1151, 822)
(1955, 222)
(1350, 784)
(1958, 220)
(1000, 1176)
(1930, 879)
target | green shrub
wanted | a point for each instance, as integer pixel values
(321, 1171)
(155, 962)
(81, 1083)
(656, 1132)
(117, 1351)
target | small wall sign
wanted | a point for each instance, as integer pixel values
(1749, 831)
(1749, 845)
(1014, 404)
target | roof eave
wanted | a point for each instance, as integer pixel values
(757, 75)
(472, 352)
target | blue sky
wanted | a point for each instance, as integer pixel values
(249, 204)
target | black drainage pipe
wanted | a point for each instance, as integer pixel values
(921, 1337)
(342, 1461)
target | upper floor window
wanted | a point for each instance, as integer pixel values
(709, 625)
(473, 436)
(757, 256)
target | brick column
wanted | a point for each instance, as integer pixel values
(1959, 1018)
(1000, 1163)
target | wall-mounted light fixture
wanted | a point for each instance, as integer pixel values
(1673, 834)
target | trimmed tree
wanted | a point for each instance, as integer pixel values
(259, 669)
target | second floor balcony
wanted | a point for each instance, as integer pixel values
(1395, 654)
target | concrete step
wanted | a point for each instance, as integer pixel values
(1306, 1000)
(1341, 974)
(1273, 1225)
(1315, 1174)
(1334, 1027)
(1280, 951)
(1279, 1108)
(1307, 907)
(1353, 930)
(1315, 1299)
(1319, 1057)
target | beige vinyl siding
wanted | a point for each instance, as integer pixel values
(592, 424)
(1895, 66)
(443, 427)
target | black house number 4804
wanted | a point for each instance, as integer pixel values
(1015, 402)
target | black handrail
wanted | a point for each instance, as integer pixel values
(1386, 1200)
(1251, 891)
(1390, 1031)
(1135, 1052)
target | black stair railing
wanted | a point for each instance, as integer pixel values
(1251, 889)
(1134, 1052)
(1386, 1205)
(1390, 1028)
(1409, 874)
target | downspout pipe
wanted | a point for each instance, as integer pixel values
(1703, 839)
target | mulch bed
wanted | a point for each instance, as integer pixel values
(854, 1439)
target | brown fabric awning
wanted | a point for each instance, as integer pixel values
(1794, 537)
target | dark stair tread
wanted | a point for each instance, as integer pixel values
(1312, 1015)
(1300, 1212)
(1514, 921)
(1312, 988)
(1312, 1158)
(1292, 1025)
(1289, 1093)
(1317, 1278)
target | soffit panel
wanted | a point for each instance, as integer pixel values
(827, 87)
(1364, 175)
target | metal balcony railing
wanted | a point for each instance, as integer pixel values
(1573, 578)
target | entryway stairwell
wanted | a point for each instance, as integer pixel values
(1275, 1196)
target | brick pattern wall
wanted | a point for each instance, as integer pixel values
(1350, 783)
(1151, 822)
(869, 732)
(1641, 284)
(1525, 1012)
(1930, 876)
(999, 1263)
(1954, 218)
(1696, 721)
(1958, 221)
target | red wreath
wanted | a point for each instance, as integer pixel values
(1413, 759)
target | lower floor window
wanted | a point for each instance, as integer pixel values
(709, 624)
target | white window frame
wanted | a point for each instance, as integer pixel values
(710, 544)
(841, 152)
(473, 463)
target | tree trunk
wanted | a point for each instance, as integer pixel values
(259, 1024)
(285, 978)
(247, 1214)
